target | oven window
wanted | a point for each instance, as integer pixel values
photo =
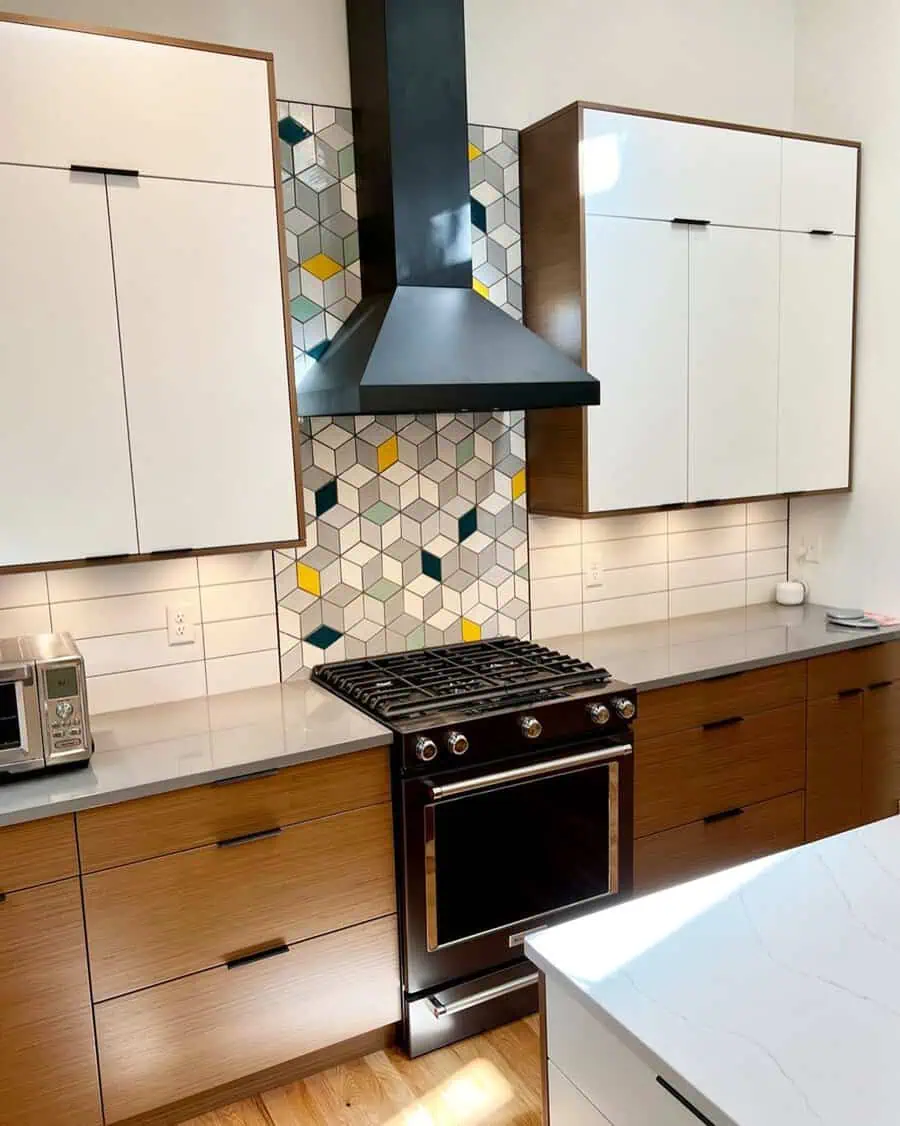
(509, 854)
(9, 718)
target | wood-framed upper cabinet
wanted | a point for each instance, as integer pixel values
(122, 101)
(770, 303)
(62, 422)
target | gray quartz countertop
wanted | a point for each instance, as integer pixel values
(172, 746)
(660, 654)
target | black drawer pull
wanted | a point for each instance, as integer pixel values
(717, 724)
(820, 231)
(2, 896)
(880, 684)
(102, 170)
(230, 842)
(259, 956)
(677, 1095)
(679, 222)
(246, 777)
(846, 693)
(725, 815)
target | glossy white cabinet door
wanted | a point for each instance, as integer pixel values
(650, 168)
(69, 97)
(67, 491)
(200, 306)
(819, 187)
(816, 362)
(568, 1106)
(637, 340)
(733, 381)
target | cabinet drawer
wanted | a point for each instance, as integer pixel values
(704, 847)
(188, 911)
(164, 1044)
(568, 1105)
(706, 701)
(853, 668)
(48, 1069)
(693, 774)
(201, 815)
(37, 852)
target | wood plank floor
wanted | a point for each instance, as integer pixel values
(490, 1080)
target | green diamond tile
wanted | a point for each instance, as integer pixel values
(303, 310)
(380, 513)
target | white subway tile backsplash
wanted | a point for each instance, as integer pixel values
(639, 551)
(24, 619)
(121, 578)
(546, 593)
(249, 670)
(552, 562)
(705, 599)
(146, 686)
(238, 600)
(700, 545)
(762, 589)
(623, 527)
(625, 611)
(127, 613)
(709, 516)
(627, 581)
(703, 572)
(763, 537)
(556, 622)
(23, 590)
(553, 531)
(244, 635)
(130, 651)
(772, 561)
(238, 567)
(767, 511)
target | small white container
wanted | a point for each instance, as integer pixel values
(791, 594)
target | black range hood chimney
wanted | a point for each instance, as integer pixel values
(422, 339)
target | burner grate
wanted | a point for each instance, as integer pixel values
(474, 677)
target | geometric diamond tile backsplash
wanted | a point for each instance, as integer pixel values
(416, 525)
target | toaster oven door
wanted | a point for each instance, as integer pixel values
(21, 740)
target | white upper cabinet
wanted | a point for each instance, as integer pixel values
(637, 346)
(209, 405)
(819, 187)
(649, 168)
(816, 360)
(733, 381)
(164, 110)
(63, 434)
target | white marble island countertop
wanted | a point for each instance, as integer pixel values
(172, 746)
(770, 992)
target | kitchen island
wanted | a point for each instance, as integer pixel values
(764, 995)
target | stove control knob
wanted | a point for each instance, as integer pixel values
(599, 714)
(625, 708)
(457, 742)
(426, 749)
(531, 727)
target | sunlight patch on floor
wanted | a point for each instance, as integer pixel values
(467, 1098)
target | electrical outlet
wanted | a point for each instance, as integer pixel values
(179, 627)
(593, 572)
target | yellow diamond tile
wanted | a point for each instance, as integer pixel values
(481, 288)
(322, 267)
(474, 151)
(387, 454)
(471, 631)
(518, 484)
(308, 580)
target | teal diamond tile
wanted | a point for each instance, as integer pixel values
(291, 131)
(303, 310)
(323, 637)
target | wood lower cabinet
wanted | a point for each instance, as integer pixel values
(718, 842)
(881, 751)
(161, 1045)
(834, 764)
(37, 852)
(48, 1067)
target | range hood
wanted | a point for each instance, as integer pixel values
(422, 339)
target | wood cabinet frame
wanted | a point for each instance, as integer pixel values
(554, 269)
(269, 59)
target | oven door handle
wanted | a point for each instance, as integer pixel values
(16, 674)
(523, 773)
(438, 1009)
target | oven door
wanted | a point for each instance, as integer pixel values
(492, 855)
(21, 743)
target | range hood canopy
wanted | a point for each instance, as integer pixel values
(422, 339)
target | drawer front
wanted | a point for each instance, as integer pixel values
(188, 911)
(853, 669)
(693, 774)
(37, 852)
(706, 701)
(620, 1085)
(202, 815)
(48, 1069)
(568, 1105)
(703, 847)
(164, 1044)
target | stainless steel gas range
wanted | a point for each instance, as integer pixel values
(513, 778)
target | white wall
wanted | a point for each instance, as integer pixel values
(713, 58)
(846, 86)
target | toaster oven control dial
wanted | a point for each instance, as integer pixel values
(426, 749)
(457, 742)
(531, 727)
(625, 708)
(599, 714)
(64, 709)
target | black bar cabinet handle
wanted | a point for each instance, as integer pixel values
(880, 684)
(259, 956)
(2, 896)
(820, 231)
(846, 693)
(103, 170)
(230, 842)
(678, 221)
(246, 777)
(688, 1106)
(725, 815)
(717, 724)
